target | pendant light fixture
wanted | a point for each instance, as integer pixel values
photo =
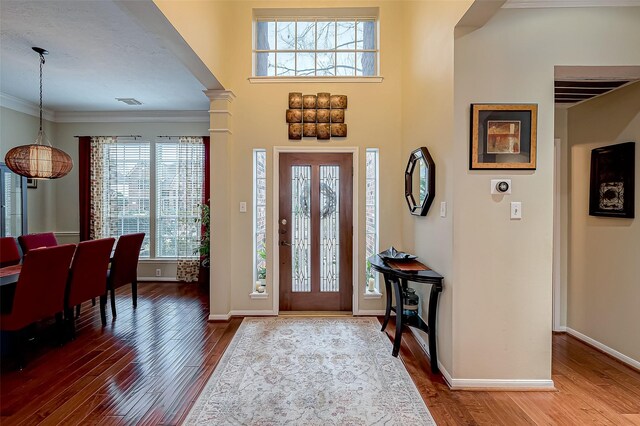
(39, 160)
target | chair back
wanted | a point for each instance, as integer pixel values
(124, 267)
(33, 241)
(88, 274)
(40, 288)
(9, 253)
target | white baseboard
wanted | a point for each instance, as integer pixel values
(604, 348)
(222, 317)
(502, 384)
(484, 384)
(159, 279)
(560, 329)
(370, 313)
(250, 313)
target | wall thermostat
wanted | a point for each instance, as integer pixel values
(500, 186)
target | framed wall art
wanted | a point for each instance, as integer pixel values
(320, 116)
(503, 136)
(612, 185)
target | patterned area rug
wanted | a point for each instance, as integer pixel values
(309, 371)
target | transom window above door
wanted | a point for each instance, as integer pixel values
(316, 46)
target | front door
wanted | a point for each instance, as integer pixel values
(315, 232)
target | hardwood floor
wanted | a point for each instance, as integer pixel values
(149, 365)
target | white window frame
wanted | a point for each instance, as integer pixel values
(315, 14)
(254, 293)
(153, 197)
(376, 179)
(154, 241)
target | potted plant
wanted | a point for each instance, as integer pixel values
(262, 271)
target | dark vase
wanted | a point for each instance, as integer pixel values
(203, 278)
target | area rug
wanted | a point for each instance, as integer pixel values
(309, 371)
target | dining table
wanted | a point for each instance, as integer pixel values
(8, 278)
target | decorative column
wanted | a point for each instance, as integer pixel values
(221, 140)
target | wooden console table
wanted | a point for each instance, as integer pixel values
(396, 279)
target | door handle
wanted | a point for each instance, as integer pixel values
(284, 243)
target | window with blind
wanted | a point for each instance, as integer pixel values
(155, 189)
(179, 182)
(326, 45)
(127, 190)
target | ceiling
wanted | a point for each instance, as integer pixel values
(574, 84)
(99, 51)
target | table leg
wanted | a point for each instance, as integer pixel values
(387, 312)
(433, 307)
(397, 291)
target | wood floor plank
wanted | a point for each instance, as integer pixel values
(149, 365)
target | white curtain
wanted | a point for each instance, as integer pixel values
(190, 184)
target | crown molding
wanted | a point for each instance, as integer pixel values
(26, 107)
(132, 117)
(216, 94)
(536, 4)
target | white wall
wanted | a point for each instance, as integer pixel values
(604, 272)
(502, 271)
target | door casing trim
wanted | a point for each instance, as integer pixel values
(275, 282)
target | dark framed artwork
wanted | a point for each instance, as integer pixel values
(32, 183)
(503, 136)
(612, 185)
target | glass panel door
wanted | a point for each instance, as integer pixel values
(315, 232)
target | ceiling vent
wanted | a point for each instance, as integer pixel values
(129, 101)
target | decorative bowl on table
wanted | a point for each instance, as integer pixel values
(396, 256)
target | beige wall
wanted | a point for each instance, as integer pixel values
(66, 189)
(373, 119)
(17, 128)
(53, 206)
(502, 268)
(498, 297)
(561, 241)
(427, 120)
(604, 272)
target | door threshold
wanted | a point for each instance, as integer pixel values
(315, 314)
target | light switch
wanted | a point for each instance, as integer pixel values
(516, 210)
(443, 209)
(243, 206)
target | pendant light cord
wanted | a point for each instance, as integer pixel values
(41, 63)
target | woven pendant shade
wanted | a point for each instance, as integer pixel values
(39, 161)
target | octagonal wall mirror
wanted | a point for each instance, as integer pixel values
(420, 181)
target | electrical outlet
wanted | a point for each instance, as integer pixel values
(158, 272)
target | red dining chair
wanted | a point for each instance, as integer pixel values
(9, 253)
(44, 274)
(88, 277)
(124, 267)
(33, 241)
